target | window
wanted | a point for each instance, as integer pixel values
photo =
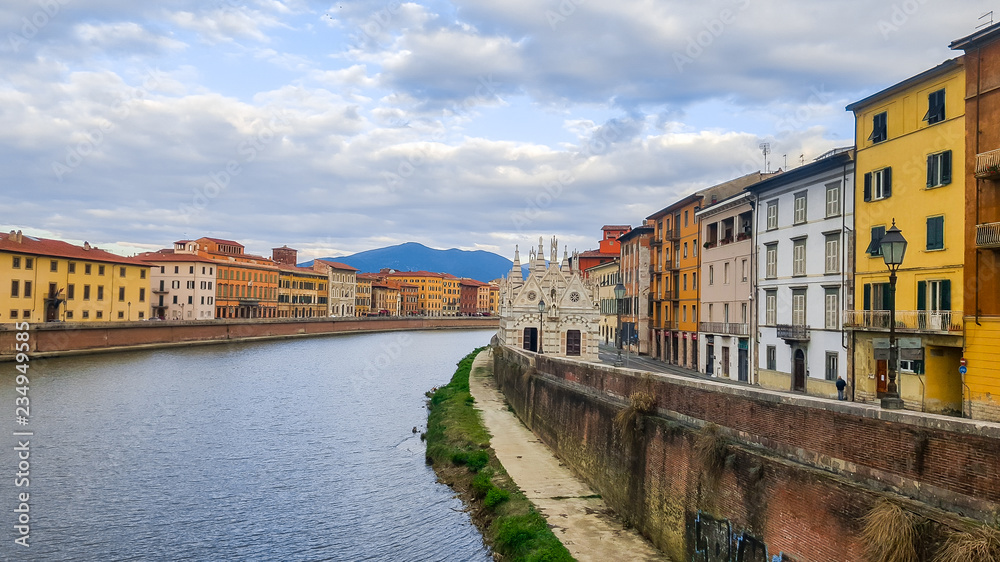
(934, 296)
(121, 294)
(743, 313)
(29, 263)
(832, 253)
(100, 270)
(833, 200)
(800, 209)
(935, 107)
(694, 248)
(100, 314)
(13, 314)
(876, 296)
(685, 281)
(175, 299)
(743, 270)
(799, 307)
(772, 215)
(141, 315)
(86, 292)
(177, 269)
(772, 354)
(939, 169)
(880, 128)
(799, 257)
(121, 272)
(685, 249)
(711, 312)
(694, 280)
(27, 289)
(684, 313)
(142, 273)
(72, 267)
(121, 314)
(935, 233)
(771, 261)
(831, 365)
(711, 275)
(770, 307)
(190, 269)
(53, 266)
(725, 273)
(875, 246)
(86, 269)
(725, 313)
(878, 184)
(190, 299)
(685, 219)
(70, 292)
(832, 307)
(86, 314)
(100, 292)
(15, 288)
(15, 262)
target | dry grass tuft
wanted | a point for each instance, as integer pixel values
(890, 533)
(710, 450)
(641, 403)
(979, 545)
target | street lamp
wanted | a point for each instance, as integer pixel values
(893, 247)
(619, 295)
(129, 310)
(541, 322)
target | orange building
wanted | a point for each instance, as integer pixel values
(302, 292)
(246, 284)
(608, 248)
(432, 299)
(675, 261)
(385, 298)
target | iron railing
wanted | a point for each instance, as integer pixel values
(931, 321)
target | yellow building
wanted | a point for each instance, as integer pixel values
(51, 280)
(302, 292)
(430, 293)
(910, 142)
(363, 295)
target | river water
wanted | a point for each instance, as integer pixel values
(281, 450)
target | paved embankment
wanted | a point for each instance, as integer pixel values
(581, 520)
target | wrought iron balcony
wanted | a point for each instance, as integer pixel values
(988, 235)
(928, 321)
(725, 328)
(655, 242)
(671, 235)
(988, 165)
(793, 332)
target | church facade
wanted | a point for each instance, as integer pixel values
(552, 311)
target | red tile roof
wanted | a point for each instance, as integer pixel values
(297, 269)
(59, 249)
(616, 227)
(170, 256)
(338, 265)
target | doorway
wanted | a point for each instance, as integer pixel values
(743, 359)
(531, 339)
(573, 342)
(881, 376)
(710, 352)
(799, 371)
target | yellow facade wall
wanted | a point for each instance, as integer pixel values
(982, 381)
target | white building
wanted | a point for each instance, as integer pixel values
(182, 285)
(343, 284)
(553, 301)
(804, 221)
(726, 278)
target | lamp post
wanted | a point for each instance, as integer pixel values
(893, 247)
(541, 323)
(619, 295)
(130, 310)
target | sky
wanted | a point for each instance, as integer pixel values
(475, 124)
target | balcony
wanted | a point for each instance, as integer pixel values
(725, 328)
(988, 165)
(655, 242)
(988, 235)
(925, 321)
(671, 235)
(671, 265)
(792, 332)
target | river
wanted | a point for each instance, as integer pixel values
(281, 450)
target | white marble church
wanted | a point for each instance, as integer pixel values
(554, 302)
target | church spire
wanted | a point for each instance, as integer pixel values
(515, 278)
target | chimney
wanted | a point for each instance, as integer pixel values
(86, 245)
(20, 237)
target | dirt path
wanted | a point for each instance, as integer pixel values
(580, 520)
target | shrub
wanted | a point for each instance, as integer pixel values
(482, 483)
(495, 497)
(477, 460)
(890, 533)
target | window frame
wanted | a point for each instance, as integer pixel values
(798, 257)
(939, 169)
(771, 261)
(831, 259)
(831, 323)
(835, 190)
(772, 217)
(935, 111)
(800, 209)
(880, 128)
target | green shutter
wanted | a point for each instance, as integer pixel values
(930, 170)
(888, 183)
(868, 296)
(946, 168)
(886, 297)
(868, 186)
(946, 295)
(921, 295)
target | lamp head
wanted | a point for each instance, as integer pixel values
(893, 246)
(541, 305)
(619, 291)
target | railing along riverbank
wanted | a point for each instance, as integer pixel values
(68, 338)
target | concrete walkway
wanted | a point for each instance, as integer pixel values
(583, 523)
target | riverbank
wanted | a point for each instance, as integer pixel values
(458, 447)
(579, 517)
(60, 338)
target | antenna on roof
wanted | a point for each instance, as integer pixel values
(990, 14)
(765, 147)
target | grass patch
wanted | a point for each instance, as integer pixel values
(890, 533)
(458, 449)
(981, 544)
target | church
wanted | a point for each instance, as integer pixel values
(552, 311)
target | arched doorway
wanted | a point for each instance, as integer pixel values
(799, 371)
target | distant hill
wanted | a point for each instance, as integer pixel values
(411, 256)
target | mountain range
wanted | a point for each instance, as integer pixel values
(412, 256)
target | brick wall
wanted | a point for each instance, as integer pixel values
(799, 471)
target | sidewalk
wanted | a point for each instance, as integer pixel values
(582, 522)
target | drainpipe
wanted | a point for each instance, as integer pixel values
(979, 91)
(754, 320)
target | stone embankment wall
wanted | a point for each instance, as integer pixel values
(735, 473)
(66, 338)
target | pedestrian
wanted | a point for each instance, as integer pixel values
(841, 385)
